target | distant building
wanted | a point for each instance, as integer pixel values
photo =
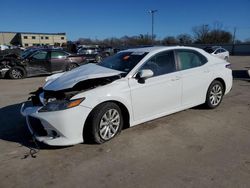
(26, 39)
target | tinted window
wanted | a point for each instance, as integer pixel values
(40, 55)
(57, 55)
(162, 63)
(190, 59)
(222, 50)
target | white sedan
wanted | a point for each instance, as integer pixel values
(219, 52)
(95, 101)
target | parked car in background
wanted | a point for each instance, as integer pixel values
(108, 50)
(218, 51)
(92, 53)
(39, 61)
(4, 47)
(95, 101)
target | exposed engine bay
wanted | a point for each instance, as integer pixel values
(67, 94)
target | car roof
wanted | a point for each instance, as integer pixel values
(160, 48)
(49, 49)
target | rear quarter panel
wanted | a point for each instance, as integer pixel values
(220, 71)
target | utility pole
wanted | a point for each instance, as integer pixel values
(233, 40)
(152, 12)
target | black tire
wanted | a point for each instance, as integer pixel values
(93, 131)
(71, 66)
(17, 72)
(215, 94)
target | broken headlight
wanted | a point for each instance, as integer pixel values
(61, 105)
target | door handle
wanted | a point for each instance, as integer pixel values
(206, 71)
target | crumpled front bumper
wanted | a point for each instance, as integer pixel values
(3, 72)
(58, 128)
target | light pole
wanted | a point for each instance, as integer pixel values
(152, 12)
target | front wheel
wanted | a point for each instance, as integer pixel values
(214, 94)
(17, 72)
(105, 122)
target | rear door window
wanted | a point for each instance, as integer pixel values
(57, 55)
(190, 59)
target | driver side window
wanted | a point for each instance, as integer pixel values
(162, 63)
(42, 55)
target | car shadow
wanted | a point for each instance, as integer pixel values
(13, 128)
(241, 74)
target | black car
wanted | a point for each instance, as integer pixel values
(39, 61)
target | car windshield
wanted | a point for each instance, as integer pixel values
(123, 61)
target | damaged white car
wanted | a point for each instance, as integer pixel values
(95, 101)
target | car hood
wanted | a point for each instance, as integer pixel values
(69, 79)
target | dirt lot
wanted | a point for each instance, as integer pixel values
(193, 148)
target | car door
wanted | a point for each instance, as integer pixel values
(195, 76)
(159, 94)
(58, 61)
(38, 63)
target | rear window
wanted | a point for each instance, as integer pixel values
(190, 59)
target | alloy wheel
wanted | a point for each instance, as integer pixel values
(216, 94)
(109, 124)
(16, 73)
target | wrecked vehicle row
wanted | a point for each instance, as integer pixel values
(37, 62)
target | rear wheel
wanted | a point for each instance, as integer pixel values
(214, 94)
(17, 72)
(105, 122)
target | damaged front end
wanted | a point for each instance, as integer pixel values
(56, 115)
(55, 118)
(7, 63)
(4, 68)
(42, 97)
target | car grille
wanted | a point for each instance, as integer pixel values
(36, 126)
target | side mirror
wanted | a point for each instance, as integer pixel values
(144, 74)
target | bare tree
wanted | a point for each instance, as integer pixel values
(170, 40)
(201, 33)
(184, 39)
